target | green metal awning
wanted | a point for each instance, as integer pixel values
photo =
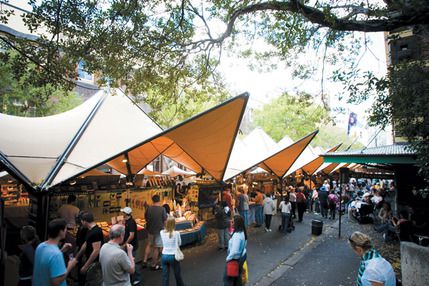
(390, 154)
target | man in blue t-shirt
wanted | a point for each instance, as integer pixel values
(49, 266)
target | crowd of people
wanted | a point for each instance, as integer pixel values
(88, 259)
(91, 260)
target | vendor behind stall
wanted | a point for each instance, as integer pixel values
(130, 237)
(69, 212)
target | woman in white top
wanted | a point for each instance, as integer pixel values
(285, 208)
(170, 241)
(269, 209)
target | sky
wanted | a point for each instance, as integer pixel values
(264, 86)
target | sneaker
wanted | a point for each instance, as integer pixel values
(266, 230)
(269, 230)
(136, 282)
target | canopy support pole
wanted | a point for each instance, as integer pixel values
(129, 178)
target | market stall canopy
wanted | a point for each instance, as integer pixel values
(258, 170)
(176, 171)
(278, 162)
(49, 150)
(327, 168)
(259, 140)
(306, 156)
(389, 154)
(312, 166)
(95, 172)
(285, 141)
(148, 172)
(246, 153)
(341, 165)
(202, 143)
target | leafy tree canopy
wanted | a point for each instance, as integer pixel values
(159, 49)
(23, 94)
(297, 116)
(402, 98)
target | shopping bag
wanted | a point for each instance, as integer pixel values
(244, 273)
(232, 268)
(179, 256)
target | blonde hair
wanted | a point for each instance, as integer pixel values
(360, 239)
(170, 225)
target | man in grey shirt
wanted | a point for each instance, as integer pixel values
(115, 263)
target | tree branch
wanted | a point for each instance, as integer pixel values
(386, 21)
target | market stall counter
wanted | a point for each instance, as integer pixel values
(190, 232)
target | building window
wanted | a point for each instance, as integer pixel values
(82, 73)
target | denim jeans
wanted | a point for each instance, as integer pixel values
(167, 261)
(223, 234)
(245, 215)
(285, 222)
(259, 215)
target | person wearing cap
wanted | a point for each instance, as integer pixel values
(374, 270)
(130, 237)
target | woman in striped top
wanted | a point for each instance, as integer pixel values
(374, 270)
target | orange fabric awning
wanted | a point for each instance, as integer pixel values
(280, 162)
(328, 169)
(312, 167)
(202, 143)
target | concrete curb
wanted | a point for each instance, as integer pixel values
(292, 260)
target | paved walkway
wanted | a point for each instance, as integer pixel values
(327, 260)
(204, 264)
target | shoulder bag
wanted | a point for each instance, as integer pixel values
(179, 256)
(232, 266)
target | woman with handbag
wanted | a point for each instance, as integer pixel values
(237, 255)
(171, 253)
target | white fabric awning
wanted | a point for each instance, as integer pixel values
(176, 171)
(33, 145)
(246, 153)
(50, 150)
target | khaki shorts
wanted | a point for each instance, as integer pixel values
(154, 240)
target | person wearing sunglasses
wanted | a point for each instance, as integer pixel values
(374, 270)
